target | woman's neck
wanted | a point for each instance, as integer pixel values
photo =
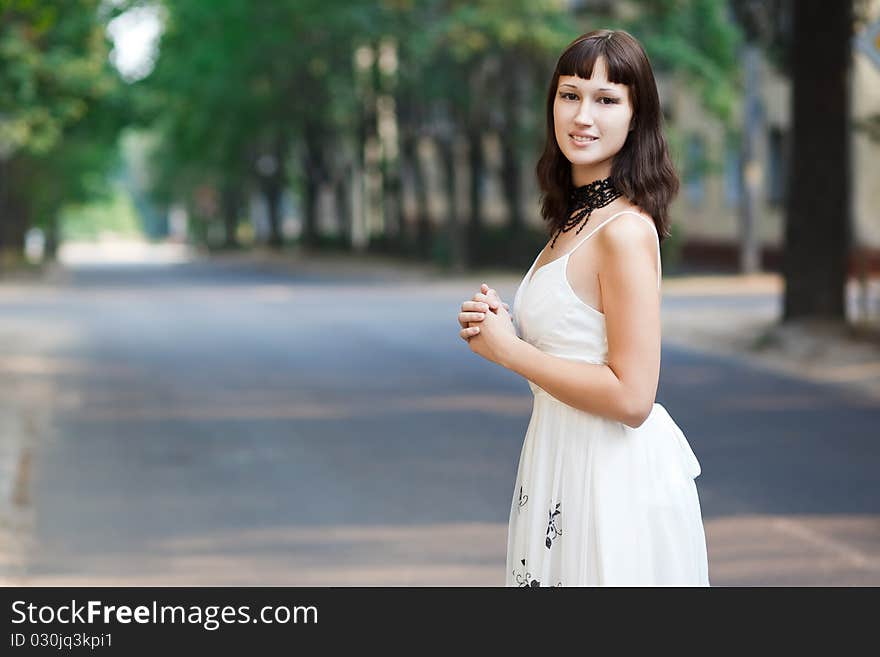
(581, 177)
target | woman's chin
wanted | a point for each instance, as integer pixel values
(579, 159)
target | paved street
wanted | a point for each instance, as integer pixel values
(208, 424)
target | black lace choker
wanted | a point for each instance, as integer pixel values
(583, 200)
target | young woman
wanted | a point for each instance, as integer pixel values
(605, 491)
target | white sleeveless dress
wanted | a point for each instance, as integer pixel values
(597, 502)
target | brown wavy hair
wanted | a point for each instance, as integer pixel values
(642, 170)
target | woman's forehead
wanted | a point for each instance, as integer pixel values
(598, 78)
(598, 82)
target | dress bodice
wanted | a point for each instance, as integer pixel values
(550, 316)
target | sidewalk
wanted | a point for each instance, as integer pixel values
(821, 352)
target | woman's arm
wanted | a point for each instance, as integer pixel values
(624, 389)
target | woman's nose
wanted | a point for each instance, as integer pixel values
(584, 114)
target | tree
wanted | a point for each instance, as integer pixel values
(817, 226)
(61, 107)
(239, 85)
(275, 112)
(818, 190)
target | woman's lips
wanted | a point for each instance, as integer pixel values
(582, 143)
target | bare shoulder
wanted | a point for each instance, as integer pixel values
(631, 230)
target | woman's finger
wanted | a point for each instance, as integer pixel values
(464, 318)
(492, 303)
(492, 296)
(470, 332)
(472, 311)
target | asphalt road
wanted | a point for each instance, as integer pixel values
(218, 424)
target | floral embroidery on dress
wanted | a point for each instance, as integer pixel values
(553, 531)
(524, 578)
(522, 499)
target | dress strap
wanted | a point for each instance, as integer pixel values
(597, 228)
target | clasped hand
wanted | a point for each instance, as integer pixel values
(486, 325)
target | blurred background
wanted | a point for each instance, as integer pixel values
(234, 237)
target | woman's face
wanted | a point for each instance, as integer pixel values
(592, 120)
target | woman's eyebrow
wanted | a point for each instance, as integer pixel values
(567, 84)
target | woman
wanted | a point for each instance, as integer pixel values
(605, 491)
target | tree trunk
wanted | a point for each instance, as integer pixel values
(273, 181)
(272, 192)
(5, 202)
(410, 151)
(14, 219)
(446, 147)
(511, 169)
(53, 236)
(405, 219)
(13, 227)
(310, 212)
(316, 173)
(393, 220)
(367, 136)
(391, 201)
(749, 244)
(817, 228)
(342, 191)
(477, 173)
(510, 179)
(231, 200)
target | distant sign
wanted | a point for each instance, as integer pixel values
(869, 42)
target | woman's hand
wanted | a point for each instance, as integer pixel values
(473, 311)
(491, 334)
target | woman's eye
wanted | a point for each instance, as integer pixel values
(567, 95)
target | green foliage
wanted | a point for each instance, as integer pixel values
(237, 80)
(54, 69)
(61, 106)
(114, 215)
(695, 39)
(234, 76)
